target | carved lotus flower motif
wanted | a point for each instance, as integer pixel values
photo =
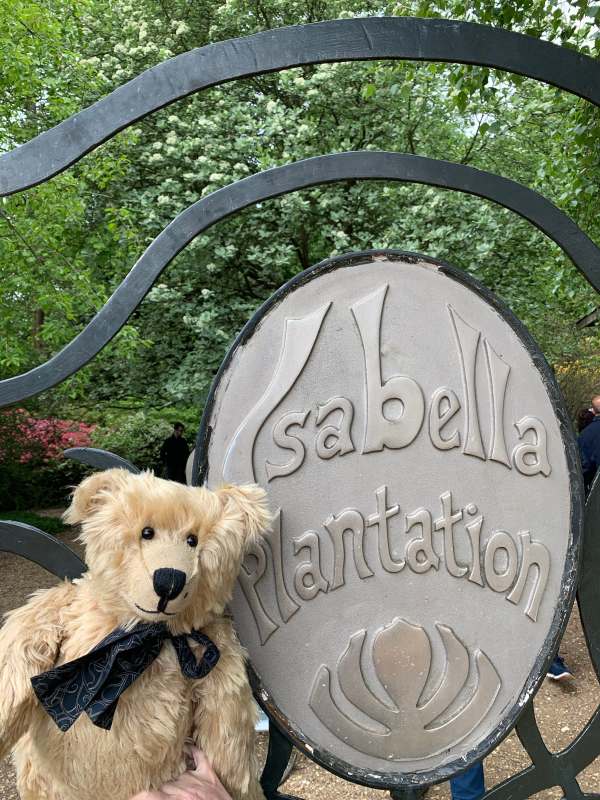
(423, 714)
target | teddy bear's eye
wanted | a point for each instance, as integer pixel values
(148, 533)
(192, 540)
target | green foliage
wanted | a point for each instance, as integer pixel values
(138, 436)
(29, 485)
(50, 525)
(65, 245)
(33, 473)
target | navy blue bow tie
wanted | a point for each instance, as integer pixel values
(94, 682)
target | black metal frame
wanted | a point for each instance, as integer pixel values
(374, 38)
(35, 545)
(223, 203)
(269, 51)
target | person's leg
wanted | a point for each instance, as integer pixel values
(469, 785)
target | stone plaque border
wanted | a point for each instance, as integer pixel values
(398, 779)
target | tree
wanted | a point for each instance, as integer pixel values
(102, 214)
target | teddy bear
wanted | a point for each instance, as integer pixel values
(103, 679)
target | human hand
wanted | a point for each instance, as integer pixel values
(200, 783)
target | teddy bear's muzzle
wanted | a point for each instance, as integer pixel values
(168, 584)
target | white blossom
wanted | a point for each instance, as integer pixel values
(181, 28)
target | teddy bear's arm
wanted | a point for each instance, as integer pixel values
(29, 643)
(225, 716)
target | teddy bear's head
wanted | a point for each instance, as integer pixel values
(161, 551)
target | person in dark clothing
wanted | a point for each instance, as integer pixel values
(174, 454)
(589, 446)
(585, 416)
(558, 670)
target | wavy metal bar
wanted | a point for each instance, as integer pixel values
(271, 51)
(100, 459)
(282, 180)
(36, 545)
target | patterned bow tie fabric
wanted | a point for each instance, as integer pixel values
(94, 682)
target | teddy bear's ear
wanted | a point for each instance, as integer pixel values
(247, 503)
(92, 493)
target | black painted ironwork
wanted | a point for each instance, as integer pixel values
(223, 203)
(278, 756)
(36, 545)
(99, 459)
(366, 39)
(269, 51)
(561, 769)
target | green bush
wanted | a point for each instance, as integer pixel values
(51, 525)
(138, 436)
(26, 486)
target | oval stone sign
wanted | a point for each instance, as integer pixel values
(427, 503)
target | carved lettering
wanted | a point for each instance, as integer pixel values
(534, 554)
(467, 341)
(380, 518)
(308, 578)
(446, 524)
(248, 579)
(495, 565)
(530, 458)
(498, 372)
(299, 338)
(394, 408)
(474, 531)
(351, 521)
(287, 607)
(500, 581)
(444, 405)
(420, 554)
(287, 441)
(333, 440)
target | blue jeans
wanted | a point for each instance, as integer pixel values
(469, 785)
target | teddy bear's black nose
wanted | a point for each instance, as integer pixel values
(168, 583)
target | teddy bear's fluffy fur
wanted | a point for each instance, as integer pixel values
(162, 707)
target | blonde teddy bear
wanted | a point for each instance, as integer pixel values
(102, 680)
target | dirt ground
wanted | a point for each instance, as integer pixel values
(562, 710)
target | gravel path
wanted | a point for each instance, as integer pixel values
(562, 709)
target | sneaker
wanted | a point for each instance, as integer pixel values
(558, 670)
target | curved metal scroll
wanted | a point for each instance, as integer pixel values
(271, 51)
(99, 459)
(369, 165)
(36, 545)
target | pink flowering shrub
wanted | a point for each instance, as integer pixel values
(33, 472)
(47, 438)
